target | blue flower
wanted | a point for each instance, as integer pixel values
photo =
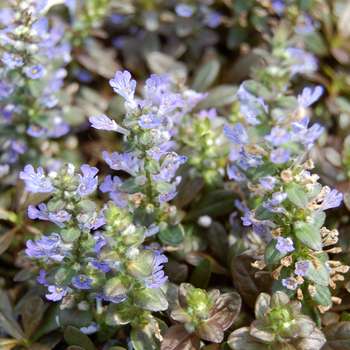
(44, 214)
(155, 246)
(173, 159)
(40, 27)
(18, 146)
(35, 72)
(268, 182)
(88, 182)
(104, 123)
(110, 185)
(157, 278)
(261, 230)
(213, 19)
(246, 219)
(301, 267)
(184, 10)
(234, 173)
(92, 328)
(308, 97)
(151, 87)
(98, 263)
(122, 162)
(6, 16)
(242, 206)
(167, 196)
(35, 182)
(278, 6)
(285, 245)
(157, 151)
(100, 242)
(280, 155)
(248, 160)
(59, 128)
(306, 136)
(12, 60)
(251, 118)
(192, 98)
(210, 114)
(95, 222)
(305, 26)
(6, 89)
(278, 136)
(35, 131)
(274, 208)
(239, 135)
(332, 200)
(300, 61)
(82, 282)
(122, 85)
(148, 122)
(152, 230)
(166, 174)
(42, 278)
(116, 300)
(278, 198)
(290, 283)
(57, 292)
(169, 103)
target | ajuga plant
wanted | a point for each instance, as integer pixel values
(279, 324)
(271, 156)
(85, 270)
(31, 76)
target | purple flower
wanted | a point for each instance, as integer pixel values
(91, 329)
(248, 160)
(6, 16)
(332, 200)
(169, 103)
(213, 19)
(166, 174)
(12, 60)
(234, 173)
(151, 87)
(88, 182)
(238, 135)
(155, 246)
(50, 242)
(184, 10)
(56, 83)
(115, 300)
(308, 97)
(175, 159)
(268, 182)
(251, 118)
(263, 104)
(301, 267)
(210, 114)
(35, 72)
(110, 185)
(274, 208)
(44, 214)
(122, 85)
(19, 146)
(278, 136)
(152, 230)
(40, 26)
(305, 27)
(82, 282)
(261, 230)
(35, 181)
(42, 278)
(246, 219)
(280, 155)
(6, 89)
(104, 123)
(100, 242)
(290, 283)
(167, 196)
(278, 6)
(157, 279)
(301, 61)
(157, 151)
(49, 101)
(35, 131)
(57, 254)
(278, 198)
(95, 222)
(304, 135)
(57, 292)
(59, 128)
(98, 263)
(285, 245)
(148, 122)
(193, 97)
(35, 250)
(122, 162)
(242, 206)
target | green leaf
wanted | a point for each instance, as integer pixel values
(130, 186)
(86, 206)
(213, 179)
(219, 96)
(322, 296)
(152, 166)
(121, 313)
(172, 235)
(74, 317)
(70, 234)
(150, 299)
(320, 276)
(73, 336)
(315, 190)
(116, 286)
(218, 239)
(205, 75)
(26, 274)
(258, 132)
(257, 89)
(296, 194)
(129, 146)
(263, 214)
(10, 326)
(32, 315)
(315, 43)
(163, 187)
(264, 170)
(146, 256)
(142, 218)
(33, 88)
(277, 285)
(145, 138)
(319, 220)
(308, 235)
(273, 255)
(137, 269)
(295, 147)
(215, 203)
(65, 274)
(6, 239)
(56, 204)
(201, 274)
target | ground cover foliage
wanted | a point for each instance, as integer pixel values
(174, 175)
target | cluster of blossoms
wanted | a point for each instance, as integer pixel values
(148, 158)
(85, 268)
(32, 74)
(292, 201)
